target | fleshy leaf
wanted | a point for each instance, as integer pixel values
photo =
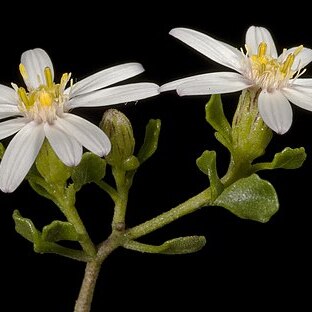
(91, 169)
(180, 245)
(288, 158)
(150, 141)
(59, 230)
(25, 227)
(216, 118)
(207, 164)
(50, 167)
(131, 163)
(250, 198)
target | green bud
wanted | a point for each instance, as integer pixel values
(119, 130)
(250, 134)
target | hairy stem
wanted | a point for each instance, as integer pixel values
(200, 200)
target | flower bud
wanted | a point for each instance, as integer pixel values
(250, 134)
(119, 130)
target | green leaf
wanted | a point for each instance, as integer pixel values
(25, 227)
(215, 116)
(207, 164)
(131, 163)
(41, 187)
(59, 230)
(91, 169)
(150, 141)
(50, 167)
(250, 198)
(289, 158)
(180, 245)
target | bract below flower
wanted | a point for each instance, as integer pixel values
(260, 67)
(42, 110)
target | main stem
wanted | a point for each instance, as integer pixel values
(84, 301)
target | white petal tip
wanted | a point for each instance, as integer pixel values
(6, 189)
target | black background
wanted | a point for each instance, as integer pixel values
(244, 264)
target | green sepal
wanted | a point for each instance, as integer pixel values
(150, 144)
(288, 158)
(91, 168)
(50, 167)
(59, 230)
(207, 164)
(180, 245)
(250, 198)
(216, 118)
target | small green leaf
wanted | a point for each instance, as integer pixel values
(91, 169)
(25, 227)
(180, 245)
(50, 167)
(289, 158)
(215, 116)
(40, 186)
(250, 198)
(207, 164)
(150, 141)
(59, 230)
(131, 163)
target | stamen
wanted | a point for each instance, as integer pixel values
(48, 77)
(262, 49)
(298, 50)
(286, 66)
(23, 71)
(45, 98)
(23, 96)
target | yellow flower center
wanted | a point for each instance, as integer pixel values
(46, 102)
(271, 73)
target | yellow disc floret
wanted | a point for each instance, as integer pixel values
(46, 102)
(271, 73)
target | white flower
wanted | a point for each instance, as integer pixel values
(276, 77)
(42, 111)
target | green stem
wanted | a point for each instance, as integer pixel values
(189, 206)
(73, 217)
(66, 203)
(108, 189)
(84, 301)
(64, 251)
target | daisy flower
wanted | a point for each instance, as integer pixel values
(42, 110)
(260, 67)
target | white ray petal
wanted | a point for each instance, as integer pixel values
(105, 78)
(8, 110)
(10, 127)
(254, 36)
(20, 155)
(86, 133)
(214, 83)
(35, 61)
(301, 82)
(8, 95)
(301, 60)
(210, 47)
(66, 147)
(115, 95)
(300, 96)
(275, 111)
